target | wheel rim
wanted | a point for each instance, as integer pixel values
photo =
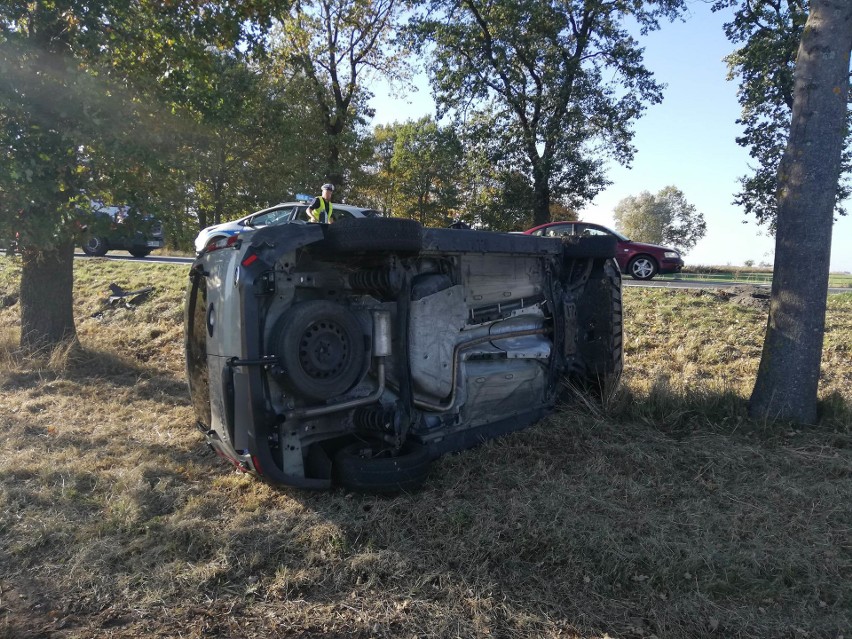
(324, 349)
(642, 268)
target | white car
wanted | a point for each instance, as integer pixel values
(283, 213)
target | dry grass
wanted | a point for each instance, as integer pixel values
(665, 512)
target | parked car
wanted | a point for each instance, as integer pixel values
(283, 213)
(10, 246)
(639, 260)
(120, 228)
(356, 353)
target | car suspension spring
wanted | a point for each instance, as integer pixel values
(375, 419)
(384, 282)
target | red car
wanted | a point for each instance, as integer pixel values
(640, 261)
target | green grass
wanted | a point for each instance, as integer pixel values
(663, 512)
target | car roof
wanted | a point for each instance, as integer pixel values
(619, 235)
(281, 205)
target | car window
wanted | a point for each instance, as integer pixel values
(582, 229)
(558, 230)
(275, 216)
(342, 213)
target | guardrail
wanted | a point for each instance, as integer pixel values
(835, 280)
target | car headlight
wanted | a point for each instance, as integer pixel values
(671, 254)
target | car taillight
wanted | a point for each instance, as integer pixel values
(225, 242)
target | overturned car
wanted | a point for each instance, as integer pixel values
(358, 352)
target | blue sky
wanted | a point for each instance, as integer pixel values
(687, 141)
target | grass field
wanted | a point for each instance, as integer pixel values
(665, 512)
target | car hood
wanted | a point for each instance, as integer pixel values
(644, 245)
(222, 226)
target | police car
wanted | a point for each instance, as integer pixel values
(283, 213)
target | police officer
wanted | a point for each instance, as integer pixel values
(321, 208)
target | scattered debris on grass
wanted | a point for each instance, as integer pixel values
(129, 298)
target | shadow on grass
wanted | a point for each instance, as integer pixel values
(643, 516)
(680, 411)
(76, 364)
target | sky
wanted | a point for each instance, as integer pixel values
(688, 141)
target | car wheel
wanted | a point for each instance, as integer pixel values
(320, 345)
(140, 253)
(373, 234)
(95, 246)
(371, 467)
(599, 319)
(642, 267)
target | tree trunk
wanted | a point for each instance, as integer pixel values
(219, 183)
(787, 380)
(333, 172)
(47, 311)
(202, 217)
(541, 195)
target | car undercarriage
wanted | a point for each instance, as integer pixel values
(356, 353)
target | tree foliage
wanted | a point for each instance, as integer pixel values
(562, 82)
(417, 169)
(331, 47)
(769, 32)
(238, 154)
(665, 218)
(426, 160)
(84, 115)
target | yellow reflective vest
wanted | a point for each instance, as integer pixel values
(325, 208)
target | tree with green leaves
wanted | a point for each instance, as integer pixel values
(51, 108)
(561, 82)
(416, 167)
(665, 218)
(332, 48)
(426, 163)
(503, 201)
(238, 155)
(82, 118)
(378, 188)
(807, 178)
(768, 33)
(497, 195)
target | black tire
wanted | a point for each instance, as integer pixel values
(369, 467)
(95, 246)
(140, 253)
(321, 347)
(601, 329)
(354, 235)
(642, 267)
